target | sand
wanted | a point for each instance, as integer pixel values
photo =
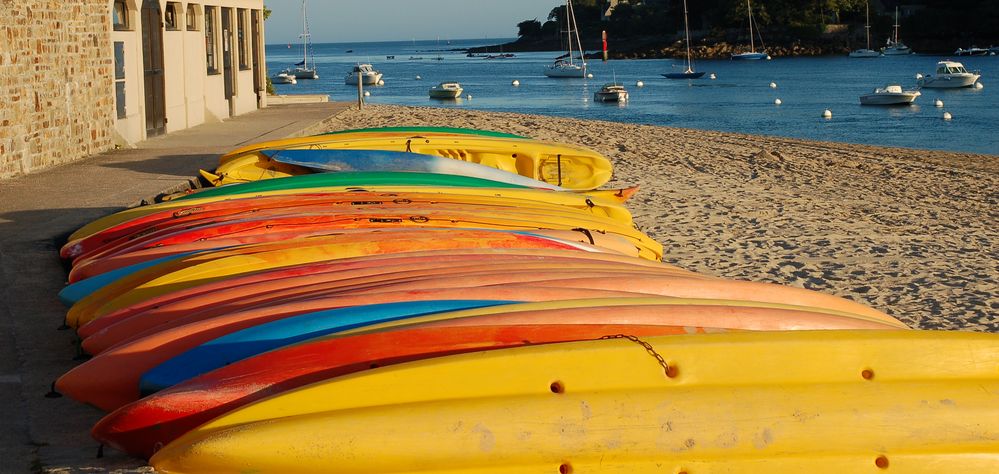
(910, 232)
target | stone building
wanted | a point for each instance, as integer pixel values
(82, 77)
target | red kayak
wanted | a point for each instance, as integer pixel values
(144, 426)
(329, 286)
(271, 281)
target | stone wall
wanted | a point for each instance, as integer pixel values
(56, 83)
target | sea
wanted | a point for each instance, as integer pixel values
(740, 99)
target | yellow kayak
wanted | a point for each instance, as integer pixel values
(559, 164)
(498, 196)
(742, 402)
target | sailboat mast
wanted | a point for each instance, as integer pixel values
(575, 28)
(686, 29)
(868, 26)
(305, 37)
(752, 44)
(896, 24)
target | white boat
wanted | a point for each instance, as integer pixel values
(950, 75)
(895, 47)
(972, 51)
(752, 55)
(866, 52)
(889, 95)
(303, 70)
(283, 77)
(566, 66)
(446, 90)
(611, 92)
(689, 72)
(369, 76)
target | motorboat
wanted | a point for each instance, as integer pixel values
(950, 75)
(689, 73)
(611, 92)
(752, 54)
(283, 77)
(566, 66)
(972, 51)
(895, 46)
(866, 52)
(446, 90)
(369, 76)
(889, 95)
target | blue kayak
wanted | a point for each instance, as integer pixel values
(75, 292)
(275, 334)
(397, 161)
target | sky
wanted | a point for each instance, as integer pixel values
(344, 21)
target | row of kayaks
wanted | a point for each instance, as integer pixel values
(386, 317)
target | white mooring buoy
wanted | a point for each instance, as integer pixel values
(367, 93)
(713, 76)
(418, 78)
(515, 83)
(978, 85)
(938, 103)
(639, 84)
(589, 76)
(919, 77)
(381, 82)
(773, 85)
(468, 96)
(827, 114)
(778, 102)
(947, 116)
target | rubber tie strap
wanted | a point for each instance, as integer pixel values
(587, 233)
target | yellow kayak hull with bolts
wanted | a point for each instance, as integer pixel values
(741, 402)
(595, 204)
(560, 164)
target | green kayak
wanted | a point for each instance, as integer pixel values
(358, 179)
(436, 130)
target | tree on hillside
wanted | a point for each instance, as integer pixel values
(529, 28)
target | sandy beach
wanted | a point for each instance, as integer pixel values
(910, 232)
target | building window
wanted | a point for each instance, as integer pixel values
(210, 41)
(242, 38)
(119, 15)
(171, 19)
(192, 17)
(119, 78)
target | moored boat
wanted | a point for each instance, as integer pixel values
(866, 52)
(284, 77)
(566, 66)
(950, 75)
(446, 90)
(889, 95)
(369, 76)
(611, 92)
(895, 46)
(752, 54)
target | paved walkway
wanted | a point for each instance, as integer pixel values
(43, 434)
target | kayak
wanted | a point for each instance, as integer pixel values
(325, 161)
(270, 226)
(315, 298)
(822, 402)
(205, 267)
(300, 187)
(163, 215)
(724, 314)
(559, 164)
(276, 280)
(111, 379)
(140, 427)
(368, 132)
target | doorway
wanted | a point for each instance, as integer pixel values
(152, 65)
(227, 73)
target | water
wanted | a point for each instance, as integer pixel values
(739, 100)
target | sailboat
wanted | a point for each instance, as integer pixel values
(303, 70)
(896, 47)
(564, 65)
(752, 54)
(866, 52)
(689, 73)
